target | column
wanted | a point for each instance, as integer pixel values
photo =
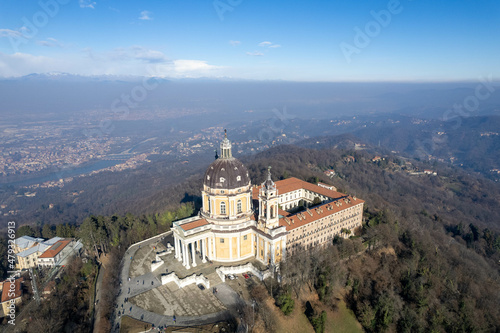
(230, 247)
(192, 254)
(283, 249)
(209, 248)
(273, 249)
(176, 247)
(258, 247)
(214, 248)
(265, 252)
(203, 245)
(178, 244)
(186, 256)
(238, 245)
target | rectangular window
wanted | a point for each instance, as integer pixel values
(245, 237)
(222, 240)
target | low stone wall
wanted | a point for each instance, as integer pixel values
(156, 264)
(248, 267)
(181, 283)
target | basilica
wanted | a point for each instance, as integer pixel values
(239, 221)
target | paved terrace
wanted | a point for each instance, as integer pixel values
(151, 302)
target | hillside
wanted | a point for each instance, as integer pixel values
(432, 243)
(472, 143)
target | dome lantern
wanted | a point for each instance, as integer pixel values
(225, 147)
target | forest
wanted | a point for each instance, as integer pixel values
(430, 244)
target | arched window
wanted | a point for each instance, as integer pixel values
(223, 208)
(238, 206)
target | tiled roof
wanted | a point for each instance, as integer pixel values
(7, 290)
(194, 224)
(283, 212)
(293, 184)
(55, 249)
(311, 215)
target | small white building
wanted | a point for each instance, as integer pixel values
(55, 254)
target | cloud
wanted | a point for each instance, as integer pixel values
(87, 4)
(145, 15)
(50, 42)
(193, 66)
(135, 60)
(138, 53)
(269, 44)
(234, 42)
(255, 54)
(10, 33)
(19, 64)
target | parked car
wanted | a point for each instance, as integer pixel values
(245, 275)
(202, 287)
(230, 276)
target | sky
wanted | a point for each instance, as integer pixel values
(407, 40)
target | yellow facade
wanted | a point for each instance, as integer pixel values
(234, 247)
(246, 245)
(212, 204)
(222, 247)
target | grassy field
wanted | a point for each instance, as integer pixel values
(342, 320)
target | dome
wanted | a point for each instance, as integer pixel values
(226, 173)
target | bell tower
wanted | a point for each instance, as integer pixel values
(268, 203)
